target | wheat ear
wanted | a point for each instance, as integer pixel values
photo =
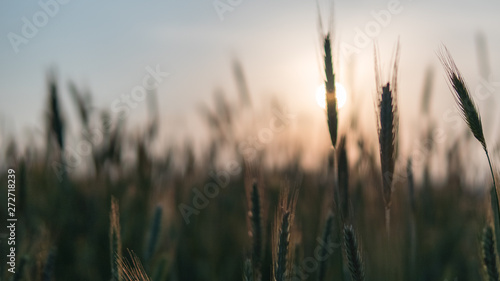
(387, 129)
(353, 254)
(132, 271)
(331, 99)
(283, 223)
(464, 101)
(471, 116)
(489, 255)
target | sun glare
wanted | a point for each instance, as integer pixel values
(340, 93)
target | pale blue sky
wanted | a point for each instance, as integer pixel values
(107, 46)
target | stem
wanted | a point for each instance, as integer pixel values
(388, 257)
(388, 221)
(495, 207)
(491, 168)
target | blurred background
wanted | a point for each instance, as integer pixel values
(106, 47)
(142, 101)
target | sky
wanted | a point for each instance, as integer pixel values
(108, 46)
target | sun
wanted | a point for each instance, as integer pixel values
(340, 93)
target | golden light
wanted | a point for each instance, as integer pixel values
(340, 93)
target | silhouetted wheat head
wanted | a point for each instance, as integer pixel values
(331, 98)
(55, 118)
(387, 125)
(465, 103)
(489, 254)
(353, 254)
(283, 222)
(462, 96)
(470, 114)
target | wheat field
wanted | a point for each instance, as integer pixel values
(119, 209)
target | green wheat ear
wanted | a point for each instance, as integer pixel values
(387, 128)
(283, 221)
(281, 263)
(471, 116)
(464, 101)
(489, 255)
(353, 254)
(462, 96)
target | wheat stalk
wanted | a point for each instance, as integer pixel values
(387, 129)
(411, 222)
(489, 255)
(496, 214)
(256, 222)
(461, 94)
(353, 254)
(470, 114)
(464, 101)
(427, 90)
(343, 177)
(326, 236)
(133, 271)
(283, 247)
(81, 101)
(153, 235)
(283, 223)
(56, 123)
(115, 240)
(331, 98)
